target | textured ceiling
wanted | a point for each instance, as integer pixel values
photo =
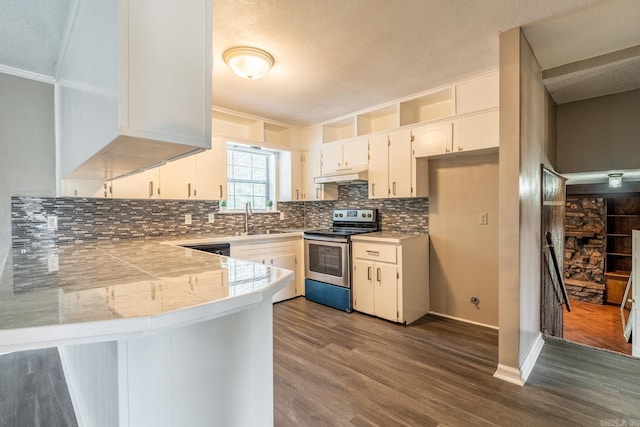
(31, 34)
(334, 57)
(587, 39)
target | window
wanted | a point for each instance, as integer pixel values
(249, 177)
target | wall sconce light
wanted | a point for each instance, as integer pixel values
(248, 62)
(615, 180)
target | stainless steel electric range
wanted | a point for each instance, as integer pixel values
(327, 255)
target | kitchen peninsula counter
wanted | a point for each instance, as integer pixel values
(148, 333)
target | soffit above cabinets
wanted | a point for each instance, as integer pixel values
(592, 52)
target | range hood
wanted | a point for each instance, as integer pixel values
(344, 176)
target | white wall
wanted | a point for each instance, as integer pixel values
(599, 134)
(27, 144)
(526, 129)
(464, 254)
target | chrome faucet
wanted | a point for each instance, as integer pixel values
(247, 212)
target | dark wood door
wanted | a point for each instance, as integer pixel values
(553, 205)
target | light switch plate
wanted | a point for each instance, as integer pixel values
(187, 219)
(212, 218)
(484, 218)
(52, 263)
(281, 216)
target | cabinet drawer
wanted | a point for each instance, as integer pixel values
(375, 252)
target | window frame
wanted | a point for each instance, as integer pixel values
(270, 182)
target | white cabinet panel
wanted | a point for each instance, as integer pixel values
(477, 132)
(289, 262)
(386, 292)
(477, 95)
(143, 185)
(311, 167)
(379, 167)
(432, 140)
(211, 172)
(179, 179)
(356, 153)
(400, 164)
(331, 158)
(363, 286)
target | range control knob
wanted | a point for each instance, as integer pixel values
(336, 215)
(369, 215)
(364, 215)
(340, 215)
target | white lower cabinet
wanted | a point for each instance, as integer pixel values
(282, 253)
(391, 276)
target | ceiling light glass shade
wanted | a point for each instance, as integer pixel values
(615, 180)
(248, 62)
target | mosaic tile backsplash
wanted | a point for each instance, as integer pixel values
(86, 219)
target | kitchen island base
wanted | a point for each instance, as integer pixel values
(217, 372)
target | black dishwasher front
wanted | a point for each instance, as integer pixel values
(213, 248)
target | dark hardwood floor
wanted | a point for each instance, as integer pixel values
(338, 369)
(33, 391)
(595, 325)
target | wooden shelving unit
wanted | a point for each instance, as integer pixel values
(623, 216)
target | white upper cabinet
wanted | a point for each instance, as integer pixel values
(379, 166)
(134, 85)
(143, 185)
(477, 95)
(290, 176)
(178, 179)
(311, 168)
(400, 164)
(477, 131)
(211, 172)
(344, 157)
(432, 140)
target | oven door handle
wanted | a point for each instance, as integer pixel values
(326, 239)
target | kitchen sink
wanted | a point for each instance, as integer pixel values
(259, 232)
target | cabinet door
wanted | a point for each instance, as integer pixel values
(86, 188)
(386, 291)
(363, 286)
(355, 153)
(400, 164)
(331, 158)
(477, 95)
(287, 261)
(289, 176)
(477, 132)
(379, 167)
(178, 179)
(143, 185)
(432, 140)
(211, 172)
(311, 167)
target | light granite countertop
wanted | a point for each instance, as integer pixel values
(385, 236)
(101, 291)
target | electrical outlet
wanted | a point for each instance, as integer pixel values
(187, 219)
(281, 216)
(52, 222)
(52, 262)
(484, 218)
(212, 218)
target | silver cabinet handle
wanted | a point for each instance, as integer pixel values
(394, 188)
(297, 194)
(317, 193)
(460, 148)
(221, 191)
(373, 188)
(374, 253)
(150, 188)
(378, 274)
(188, 190)
(368, 273)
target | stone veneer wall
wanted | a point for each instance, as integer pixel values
(85, 219)
(584, 256)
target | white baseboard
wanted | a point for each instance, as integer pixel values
(532, 358)
(509, 374)
(464, 320)
(520, 376)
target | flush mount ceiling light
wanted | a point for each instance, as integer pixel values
(248, 62)
(615, 179)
